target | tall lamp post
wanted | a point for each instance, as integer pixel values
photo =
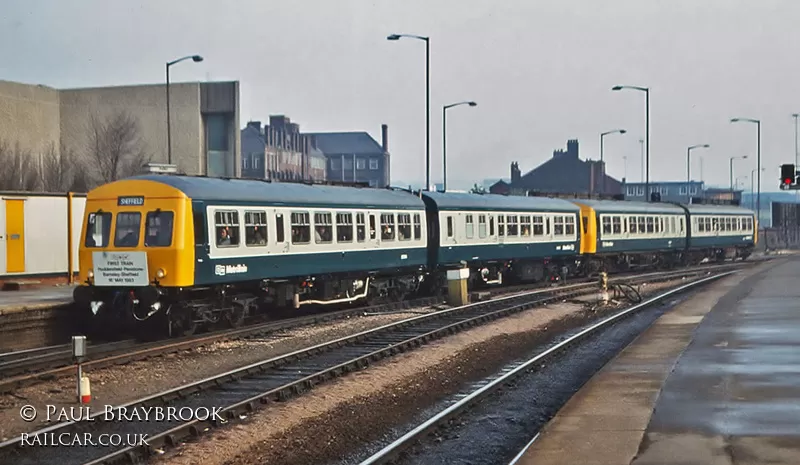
(603, 174)
(196, 59)
(427, 101)
(444, 139)
(758, 194)
(752, 176)
(689, 169)
(732, 159)
(647, 133)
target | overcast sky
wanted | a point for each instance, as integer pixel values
(541, 72)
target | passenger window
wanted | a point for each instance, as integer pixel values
(525, 226)
(199, 229)
(387, 226)
(127, 229)
(513, 226)
(449, 226)
(158, 229)
(323, 228)
(361, 228)
(280, 234)
(98, 229)
(226, 224)
(482, 226)
(616, 224)
(417, 227)
(255, 229)
(650, 227)
(301, 228)
(372, 227)
(558, 225)
(344, 227)
(538, 226)
(470, 228)
(547, 226)
(606, 225)
(501, 225)
(491, 225)
(569, 225)
(404, 226)
(632, 228)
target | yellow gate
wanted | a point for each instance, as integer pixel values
(15, 236)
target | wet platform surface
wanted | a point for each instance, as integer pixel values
(715, 381)
(35, 299)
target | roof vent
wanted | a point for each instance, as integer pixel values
(162, 168)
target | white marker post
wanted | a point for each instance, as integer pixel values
(78, 354)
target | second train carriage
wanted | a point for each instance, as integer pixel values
(519, 238)
(622, 234)
(201, 251)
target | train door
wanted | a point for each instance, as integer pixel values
(373, 231)
(15, 235)
(201, 245)
(281, 243)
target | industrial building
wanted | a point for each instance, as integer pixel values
(204, 118)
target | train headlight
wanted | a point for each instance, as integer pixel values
(90, 274)
(160, 273)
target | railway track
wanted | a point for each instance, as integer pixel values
(243, 390)
(456, 413)
(31, 366)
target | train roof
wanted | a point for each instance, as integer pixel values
(625, 206)
(229, 191)
(701, 209)
(493, 202)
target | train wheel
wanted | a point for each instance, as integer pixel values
(181, 322)
(236, 315)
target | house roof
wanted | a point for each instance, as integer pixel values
(347, 143)
(236, 191)
(492, 202)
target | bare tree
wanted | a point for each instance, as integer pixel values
(18, 169)
(116, 147)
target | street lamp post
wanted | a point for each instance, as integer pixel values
(732, 159)
(603, 174)
(752, 176)
(689, 169)
(758, 123)
(444, 139)
(196, 59)
(646, 91)
(427, 101)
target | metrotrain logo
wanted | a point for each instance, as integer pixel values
(222, 270)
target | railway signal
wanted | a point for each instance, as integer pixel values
(788, 177)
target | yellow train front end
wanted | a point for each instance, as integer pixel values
(137, 248)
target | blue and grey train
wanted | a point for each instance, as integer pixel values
(197, 252)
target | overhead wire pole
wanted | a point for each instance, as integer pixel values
(427, 102)
(196, 59)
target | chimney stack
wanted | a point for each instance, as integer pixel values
(385, 138)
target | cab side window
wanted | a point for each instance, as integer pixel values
(158, 229)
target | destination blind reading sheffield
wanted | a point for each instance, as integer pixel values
(130, 201)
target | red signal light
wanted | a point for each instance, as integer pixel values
(787, 180)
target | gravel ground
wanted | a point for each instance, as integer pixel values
(329, 422)
(124, 383)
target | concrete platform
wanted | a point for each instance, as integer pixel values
(716, 381)
(35, 299)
